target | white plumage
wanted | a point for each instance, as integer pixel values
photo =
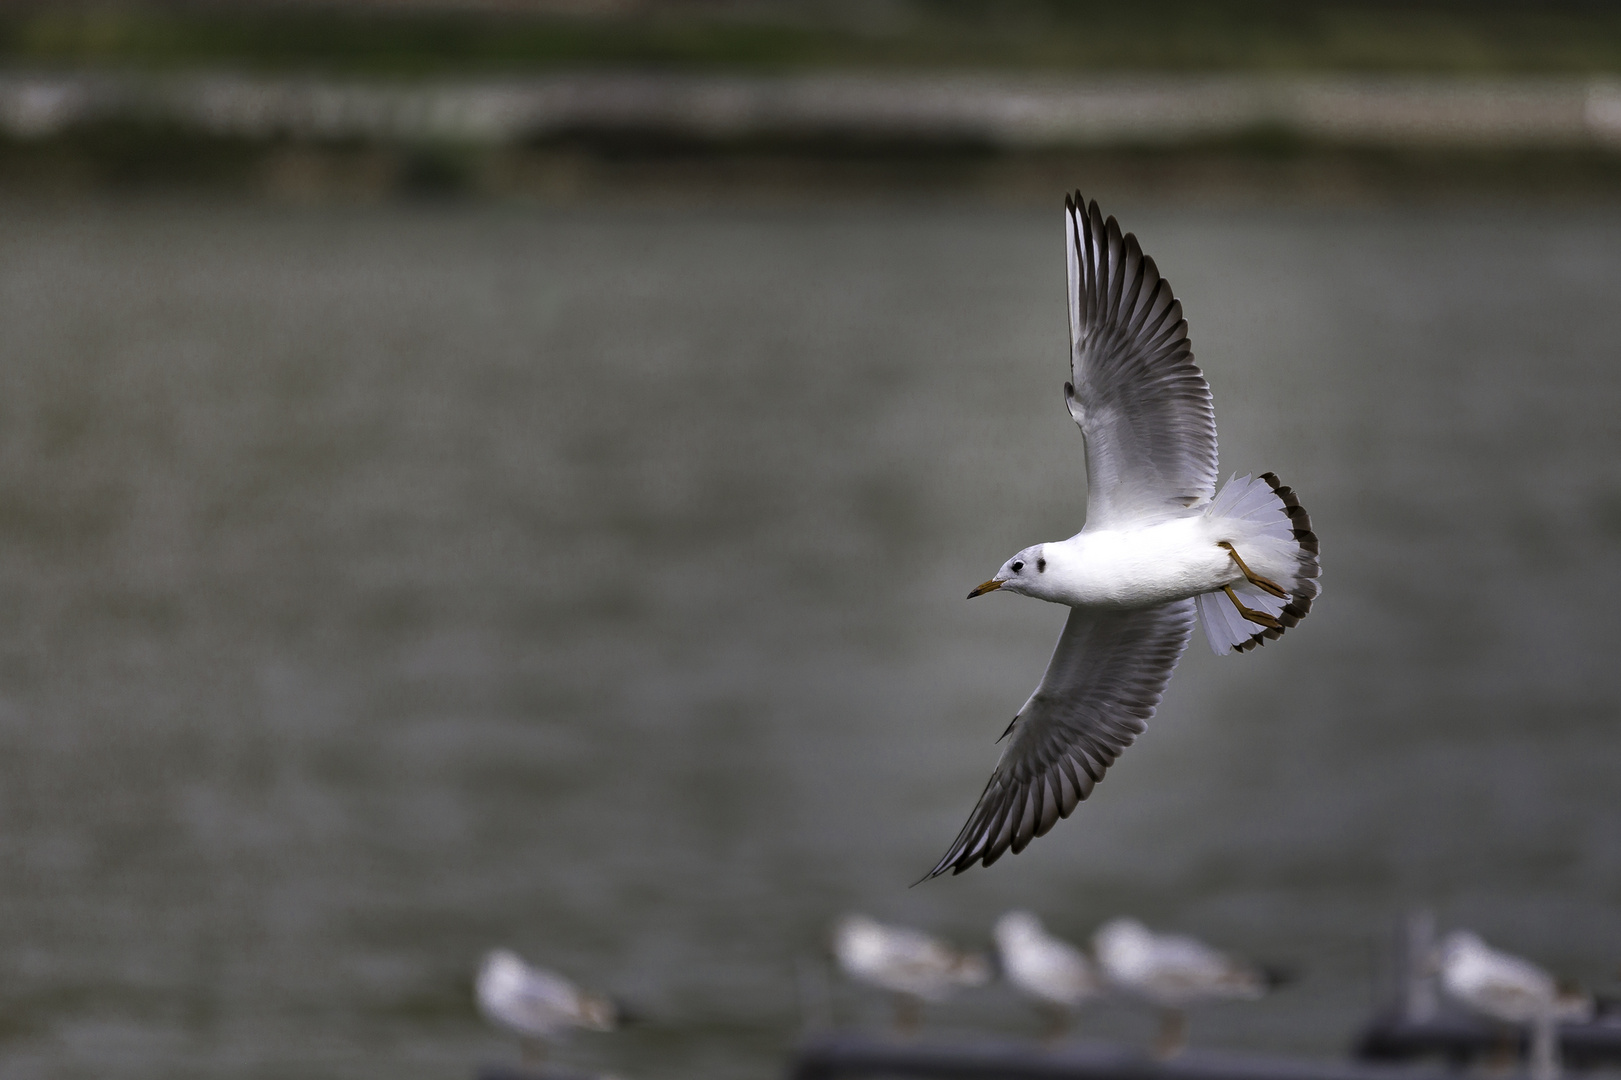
(1511, 990)
(1502, 986)
(1042, 966)
(535, 1004)
(1049, 970)
(1172, 972)
(908, 963)
(1160, 547)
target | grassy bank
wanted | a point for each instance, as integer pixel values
(1163, 35)
(153, 141)
(130, 159)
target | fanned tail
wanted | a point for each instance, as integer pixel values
(1272, 532)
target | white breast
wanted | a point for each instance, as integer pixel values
(904, 960)
(1040, 965)
(1139, 567)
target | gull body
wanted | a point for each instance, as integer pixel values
(911, 965)
(1161, 548)
(1502, 986)
(1511, 990)
(1049, 970)
(1173, 972)
(536, 1005)
(1126, 569)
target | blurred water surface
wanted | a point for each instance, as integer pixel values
(382, 585)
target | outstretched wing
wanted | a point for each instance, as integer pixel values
(1101, 687)
(1142, 403)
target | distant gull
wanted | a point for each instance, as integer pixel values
(1173, 972)
(1159, 544)
(1049, 970)
(1511, 990)
(536, 1005)
(910, 964)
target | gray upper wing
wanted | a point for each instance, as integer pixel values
(1142, 403)
(1101, 687)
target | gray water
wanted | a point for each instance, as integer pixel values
(381, 585)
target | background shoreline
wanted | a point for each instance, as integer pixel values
(572, 137)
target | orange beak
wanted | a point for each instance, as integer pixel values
(989, 586)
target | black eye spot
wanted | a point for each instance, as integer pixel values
(1041, 565)
(1016, 567)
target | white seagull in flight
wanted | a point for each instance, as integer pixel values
(1159, 544)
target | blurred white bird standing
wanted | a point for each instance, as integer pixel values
(538, 1006)
(1053, 973)
(910, 964)
(1513, 991)
(1160, 544)
(1173, 972)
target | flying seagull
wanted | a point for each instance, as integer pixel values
(1159, 544)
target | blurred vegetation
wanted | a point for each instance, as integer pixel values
(410, 38)
(377, 38)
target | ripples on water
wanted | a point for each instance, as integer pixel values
(383, 585)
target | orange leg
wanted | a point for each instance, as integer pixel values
(1253, 578)
(1173, 1034)
(1259, 617)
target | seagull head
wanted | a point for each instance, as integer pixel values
(1016, 930)
(1020, 574)
(1458, 948)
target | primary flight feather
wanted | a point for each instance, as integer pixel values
(1160, 547)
